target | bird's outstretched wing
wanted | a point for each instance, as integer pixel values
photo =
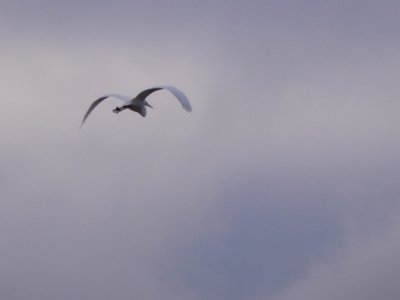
(177, 93)
(143, 94)
(101, 99)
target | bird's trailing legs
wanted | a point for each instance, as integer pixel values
(118, 109)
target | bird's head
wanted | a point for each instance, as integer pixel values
(147, 104)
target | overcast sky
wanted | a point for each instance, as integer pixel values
(282, 184)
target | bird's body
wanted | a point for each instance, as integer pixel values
(134, 105)
(139, 103)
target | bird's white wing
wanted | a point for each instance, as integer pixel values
(101, 99)
(120, 97)
(179, 95)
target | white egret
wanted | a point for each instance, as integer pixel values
(139, 103)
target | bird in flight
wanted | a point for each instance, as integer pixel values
(139, 103)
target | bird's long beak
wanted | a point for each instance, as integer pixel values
(148, 105)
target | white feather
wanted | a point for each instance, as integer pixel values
(180, 96)
(139, 103)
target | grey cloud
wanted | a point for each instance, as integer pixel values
(290, 153)
(366, 269)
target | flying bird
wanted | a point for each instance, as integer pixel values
(139, 103)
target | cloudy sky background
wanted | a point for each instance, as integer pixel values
(282, 184)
